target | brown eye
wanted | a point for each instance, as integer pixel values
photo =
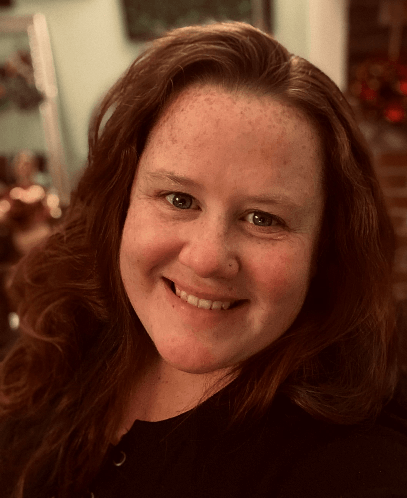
(180, 200)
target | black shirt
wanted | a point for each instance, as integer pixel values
(286, 454)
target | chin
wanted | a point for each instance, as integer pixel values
(198, 361)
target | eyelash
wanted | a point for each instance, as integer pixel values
(278, 221)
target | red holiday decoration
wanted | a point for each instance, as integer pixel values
(380, 86)
(379, 83)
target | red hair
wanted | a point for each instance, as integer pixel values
(65, 384)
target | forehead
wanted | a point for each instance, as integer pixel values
(244, 133)
(197, 113)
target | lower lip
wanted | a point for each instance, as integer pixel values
(194, 311)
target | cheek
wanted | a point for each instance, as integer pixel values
(283, 274)
(146, 245)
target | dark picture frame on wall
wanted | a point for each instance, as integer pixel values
(147, 19)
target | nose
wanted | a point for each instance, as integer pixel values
(209, 250)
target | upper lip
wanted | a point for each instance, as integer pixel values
(204, 294)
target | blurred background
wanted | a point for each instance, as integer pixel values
(59, 57)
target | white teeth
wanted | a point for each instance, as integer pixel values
(205, 304)
(217, 305)
(202, 303)
(193, 300)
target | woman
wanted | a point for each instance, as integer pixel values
(214, 318)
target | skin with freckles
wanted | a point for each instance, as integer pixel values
(226, 204)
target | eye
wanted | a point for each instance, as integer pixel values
(180, 200)
(262, 219)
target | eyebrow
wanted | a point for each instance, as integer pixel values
(183, 181)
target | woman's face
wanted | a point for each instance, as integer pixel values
(217, 248)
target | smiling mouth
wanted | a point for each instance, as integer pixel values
(203, 303)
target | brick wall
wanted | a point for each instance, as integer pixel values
(391, 168)
(367, 35)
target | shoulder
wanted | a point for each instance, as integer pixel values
(364, 461)
(289, 454)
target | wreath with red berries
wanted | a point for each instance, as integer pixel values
(380, 85)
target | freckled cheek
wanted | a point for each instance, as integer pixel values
(148, 245)
(282, 276)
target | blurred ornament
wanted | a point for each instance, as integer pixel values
(17, 83)
(379, 83)
(380, 89)
(28, 209)
(395, 112)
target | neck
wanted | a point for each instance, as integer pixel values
(164, 392)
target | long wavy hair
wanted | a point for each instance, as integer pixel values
(65, 385)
